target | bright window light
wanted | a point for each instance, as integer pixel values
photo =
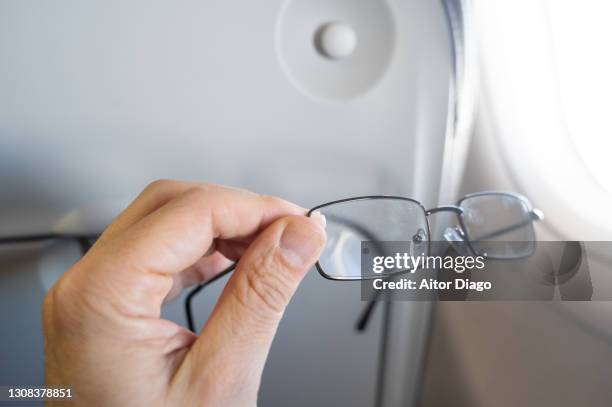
(545, 105)
(581, 33)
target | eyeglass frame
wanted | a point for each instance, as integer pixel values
(533, 214)
(362, 322)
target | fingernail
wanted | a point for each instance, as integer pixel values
(301, 242)
(319, 218)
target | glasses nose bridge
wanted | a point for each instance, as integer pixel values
(445, 208)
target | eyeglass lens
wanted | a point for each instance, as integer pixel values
(498, 225)
(375, 220)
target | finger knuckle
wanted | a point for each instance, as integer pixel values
(55, 305)
(272, 201)
(198, 192)
(159, 185)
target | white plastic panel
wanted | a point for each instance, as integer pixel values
(98, 99)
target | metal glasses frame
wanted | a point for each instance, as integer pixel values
(534, 214)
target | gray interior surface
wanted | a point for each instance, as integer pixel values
(99, 99)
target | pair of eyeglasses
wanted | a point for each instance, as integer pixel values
(495, 225)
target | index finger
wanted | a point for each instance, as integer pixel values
(155, 195)
(177, 234)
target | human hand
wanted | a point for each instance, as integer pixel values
(104, 337)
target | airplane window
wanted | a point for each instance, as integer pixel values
(581, 34)
(544, 107)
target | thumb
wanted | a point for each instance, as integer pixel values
(240, 331)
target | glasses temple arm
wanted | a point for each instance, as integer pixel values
(366, 314)
(196, 290)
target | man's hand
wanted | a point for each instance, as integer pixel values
(104, 337)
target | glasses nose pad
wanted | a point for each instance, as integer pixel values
(419, 243)
(454, 236)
